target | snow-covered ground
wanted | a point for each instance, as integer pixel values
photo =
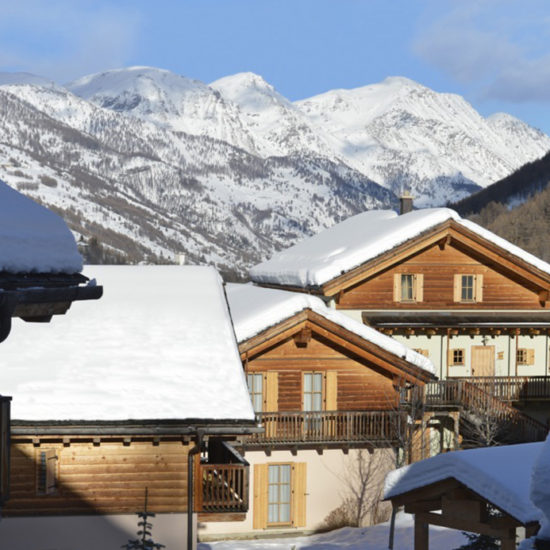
(349, 538)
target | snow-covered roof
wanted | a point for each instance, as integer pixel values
(32, 238)
(499, 474)
(361, 238)
(254, 309)
(159, 345)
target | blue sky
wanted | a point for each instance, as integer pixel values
(494, 52)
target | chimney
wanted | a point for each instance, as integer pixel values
(405, 203)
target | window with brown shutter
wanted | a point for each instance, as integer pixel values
(46, 472)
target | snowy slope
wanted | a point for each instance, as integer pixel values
(404, 135)
(168, 100)
(149, 192)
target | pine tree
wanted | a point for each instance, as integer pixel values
(479, 542)
(144, 540)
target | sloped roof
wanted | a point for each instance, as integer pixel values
(32, 238)
(255, 309)
(501, 475)
(159, 345)
(359, 239)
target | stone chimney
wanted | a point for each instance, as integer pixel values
(405, 203)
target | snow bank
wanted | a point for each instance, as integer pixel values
(361, 238)
(254, 309)
(540, 488)
(32, 238)
(158, 345)
(350, 538)
(499, 474)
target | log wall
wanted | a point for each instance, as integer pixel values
(109, 478)
(360, 385)
(438, 268)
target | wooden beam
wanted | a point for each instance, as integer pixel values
(461, 524)
(544, 297)
(303, 337)
(444, 242)
(421, 534)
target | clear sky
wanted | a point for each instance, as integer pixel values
(494, 52)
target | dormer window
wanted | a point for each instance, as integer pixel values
(408, 287)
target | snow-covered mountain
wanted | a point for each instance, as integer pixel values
(154, 163)
(148, 191)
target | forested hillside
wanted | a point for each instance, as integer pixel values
(516, 208)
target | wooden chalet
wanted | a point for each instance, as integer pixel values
(479, 490)
(39, 278)
(477, 306)
(325, 389)
(143, 394)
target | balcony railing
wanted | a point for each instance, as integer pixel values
(224, 488)
(514, 388)
(326, 427)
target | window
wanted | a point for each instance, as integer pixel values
(456, 357)
(46, 474)
(313, 391)
(525, 356)
(279, 492)
(408, 287)
(255, 389)
(468, 288)
(279, 495)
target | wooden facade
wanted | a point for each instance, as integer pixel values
(79, 475)
(358, 384)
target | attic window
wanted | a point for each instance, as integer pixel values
(468, 288)
(408, 287)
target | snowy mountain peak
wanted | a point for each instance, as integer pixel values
(249, 91)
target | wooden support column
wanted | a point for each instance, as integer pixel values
(421, 534)
(508, 542)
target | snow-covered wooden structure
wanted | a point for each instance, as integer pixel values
(39, 278)
(485, 491)
(473, 303)
(326, 389)
(144, 391)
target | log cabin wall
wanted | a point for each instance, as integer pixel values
(360, 386)
(438, 268)
(105, 478)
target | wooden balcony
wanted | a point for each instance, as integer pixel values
(514, 388)
(224, 488)
(325, 427)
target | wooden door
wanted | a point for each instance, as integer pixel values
(483, 360)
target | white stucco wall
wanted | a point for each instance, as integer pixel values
(325, 486)
(88, 532)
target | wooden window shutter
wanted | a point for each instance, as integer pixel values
(479, 288)
(397, 287)
(530, 356)
(299, 488)
(419, 290)
(271, 391)
(457, 288)
(331, 391)
(259, 512)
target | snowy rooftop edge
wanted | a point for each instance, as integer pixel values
(361, 238)
(32, 238)
(254, 309)
(491, 472)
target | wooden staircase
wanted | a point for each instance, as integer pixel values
(483, 416)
